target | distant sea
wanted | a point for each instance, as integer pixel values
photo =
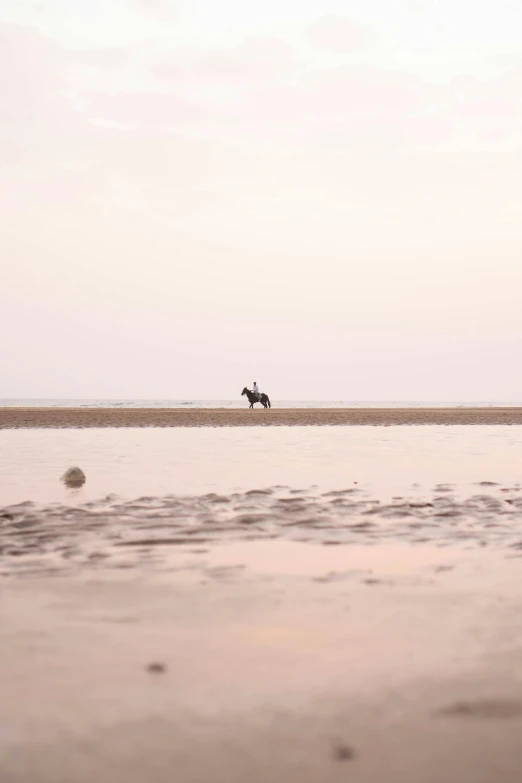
(241, 403)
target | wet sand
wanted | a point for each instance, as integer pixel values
(12, 418)
(223, 674)
(38, 539)
(272, 635)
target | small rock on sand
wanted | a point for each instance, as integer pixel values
(74, 477)
(156, 667)
(342, 752)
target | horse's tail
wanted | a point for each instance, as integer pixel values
(268, 401)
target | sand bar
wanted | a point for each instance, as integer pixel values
(23, 418)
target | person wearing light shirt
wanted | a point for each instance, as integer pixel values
(256, 389)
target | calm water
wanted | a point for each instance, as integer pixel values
(153, 494)
(132, 462)
(240, 402)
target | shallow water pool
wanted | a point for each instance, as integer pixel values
(387, 461)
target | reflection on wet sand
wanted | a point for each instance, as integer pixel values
(384, 663)
(197, 461)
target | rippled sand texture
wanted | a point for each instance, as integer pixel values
(54, 538)
(243, 417)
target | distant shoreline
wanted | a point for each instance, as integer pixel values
(34, 418)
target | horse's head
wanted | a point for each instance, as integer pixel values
(245, 391)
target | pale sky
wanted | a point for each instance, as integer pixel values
(321, 195)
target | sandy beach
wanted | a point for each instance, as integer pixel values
(162, 623)
(12, 418)
(231, 673)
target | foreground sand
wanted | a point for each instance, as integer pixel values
(273, 635)
(276, 634)
(242, 417)
(413, 678)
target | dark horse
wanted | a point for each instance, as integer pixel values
(253, 398)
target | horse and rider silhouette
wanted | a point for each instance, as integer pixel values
(255, 396)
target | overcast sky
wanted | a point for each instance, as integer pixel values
(321, 195)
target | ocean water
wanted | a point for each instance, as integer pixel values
(240, 402)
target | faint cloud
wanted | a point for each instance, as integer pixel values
(107, 58)
(256, 61)
(512, 212)
(36, 88)
(358, 89)
(163, 10)
(145, 109)
(338, 34)
(33, 7)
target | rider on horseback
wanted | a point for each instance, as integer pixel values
(255, 397)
